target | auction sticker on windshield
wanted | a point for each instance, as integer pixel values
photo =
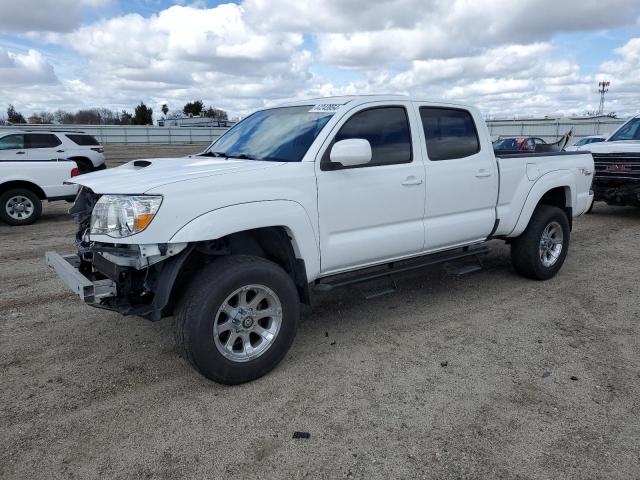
(326, 107)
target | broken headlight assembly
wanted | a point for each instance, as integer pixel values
(121, 216)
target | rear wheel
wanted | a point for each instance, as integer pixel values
(20, 206)
(542, 248)
(237, 319)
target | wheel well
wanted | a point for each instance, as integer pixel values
(23, 184)
(84, 160)
(271, 243)
(559, 197)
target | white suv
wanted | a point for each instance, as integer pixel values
(34, 145)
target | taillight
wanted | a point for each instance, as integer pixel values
(98, 149)
(75, 172)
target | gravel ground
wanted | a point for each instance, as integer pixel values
(449, 377)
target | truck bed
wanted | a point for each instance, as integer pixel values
(522, 174)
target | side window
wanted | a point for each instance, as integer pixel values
(450, 133)
(83, 140)
(41, 140)
(12, 142)
(386, 129)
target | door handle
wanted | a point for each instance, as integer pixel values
(59, 151)
(20, 153)
(483, 173)
(409, 181)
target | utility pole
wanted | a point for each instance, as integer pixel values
(603, 87)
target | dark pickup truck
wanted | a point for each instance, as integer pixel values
(617, 166)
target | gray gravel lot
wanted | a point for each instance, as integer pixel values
(89, 394)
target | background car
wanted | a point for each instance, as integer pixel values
(517, 144)
(586, 141)
(30, 145)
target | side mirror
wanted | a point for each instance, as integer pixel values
(351, 152)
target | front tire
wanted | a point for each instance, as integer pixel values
(237, 319)
(20, 206)
(540, 250)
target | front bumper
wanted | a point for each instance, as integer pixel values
(103, 284)
(67, 268)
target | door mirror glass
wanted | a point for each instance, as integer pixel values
(351, 152)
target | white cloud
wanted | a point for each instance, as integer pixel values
(365, 34)
(43, 15)
(624, 75)
(19, 69)
(499, 54)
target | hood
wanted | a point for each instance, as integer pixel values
(620, 146)
(140, 176)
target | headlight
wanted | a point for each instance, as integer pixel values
(123, 215)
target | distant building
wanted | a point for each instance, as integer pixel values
(193, 121)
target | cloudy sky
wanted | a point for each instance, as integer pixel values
(509, 57)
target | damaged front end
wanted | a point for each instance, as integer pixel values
(617, 178)
(131, 279)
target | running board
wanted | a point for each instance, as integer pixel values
(351, 278)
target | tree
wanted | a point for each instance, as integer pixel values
(142, 115)
(193, 108)
(87, 117)
(125, 118)
(216, 113)
(13, 116)
(165, 109)
(46, 117)
(63, 117)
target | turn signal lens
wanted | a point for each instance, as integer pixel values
(142, 221)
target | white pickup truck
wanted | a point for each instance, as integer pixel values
(24, 184)
(315, 194)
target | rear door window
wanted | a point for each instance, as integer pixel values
(41, 140)
(450, 133)
(12, 142)
(83, 140)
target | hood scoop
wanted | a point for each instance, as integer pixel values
(141, 163)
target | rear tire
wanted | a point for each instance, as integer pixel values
(222, 333)
(540, 250)
(20, 206)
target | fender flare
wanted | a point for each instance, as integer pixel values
(251, 215)
(549, 181)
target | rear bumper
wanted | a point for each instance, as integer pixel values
(67, 268)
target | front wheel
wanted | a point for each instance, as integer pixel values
(20, 206)
(541, 249)
(237, 319)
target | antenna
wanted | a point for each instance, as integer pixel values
(603, 87)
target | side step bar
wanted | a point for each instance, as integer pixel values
(351, 278)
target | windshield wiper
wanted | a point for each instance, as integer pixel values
(213, 154)
(241, 156)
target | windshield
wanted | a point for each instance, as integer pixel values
(629, 131)
(278, 134)
(586, 141)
